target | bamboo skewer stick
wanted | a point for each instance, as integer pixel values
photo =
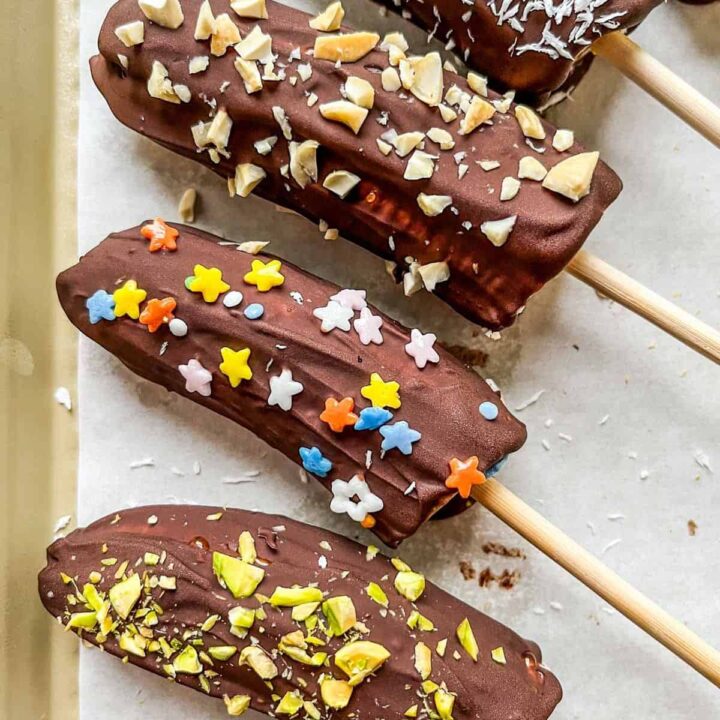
(639, 609)
(659, 81)
(644, 302)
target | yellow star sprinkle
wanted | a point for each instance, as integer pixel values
(380, 393)
(265, 275)
(235, 365)
(127, 300)
(209, 282)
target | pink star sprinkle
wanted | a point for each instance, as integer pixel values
(368, 327)
(420, 348)
(197, 378)
(353, 299)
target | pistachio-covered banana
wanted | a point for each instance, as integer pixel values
(293, 621)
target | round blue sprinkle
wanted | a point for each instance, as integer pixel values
(254, 311)
(488, 410)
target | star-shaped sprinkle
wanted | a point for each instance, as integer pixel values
(235, 365)
(399, 435)
(100, 306)
(489, 410)
(368, 327)
(207, 281)
(315, 462)
(464, 475)
(282, 390)
(339, 414)
(373, 418)
(334, 315)
(197, 378)
(344, 494)
(421, 349)
(265, 276)
(353, 299)
(157, 313)
(160, 235)
(381, 393)
(127, 300)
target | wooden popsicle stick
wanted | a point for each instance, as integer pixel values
(659, 81)
(644, 302)
(675, 636)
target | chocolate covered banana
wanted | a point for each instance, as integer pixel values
(393, 426)
(287, 619)
(472, 197)
(531, 46)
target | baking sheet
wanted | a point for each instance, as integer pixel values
(621, 443)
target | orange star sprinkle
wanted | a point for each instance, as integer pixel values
(160, 235)
(157, 312)
(338, 415)
(464, 475)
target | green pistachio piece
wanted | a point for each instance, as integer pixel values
(83, 620)
(246, 546)
(304, 611)
(290, 704)
(241, 617)
(295, 646)
(335, 694)
(151, 558)
(187, 662)
(444, 702)
(125, 594)
(209, 623)
(340, 614)
(92, 597)
(151, 619)
(311, 709)
(400, 565)
(371, 552)
(167, 651)
(441, 647)
(259, 661)
(360, 658)
(239, 577)
(290, 597)
(411, 712)
(311, 623)
(498, 655)
(423, 660)
(416, 621)
(467, 639)
(376, 593)
(134, 644)
(222, 652)
(429, 687)
(237, 704)
(409, 584)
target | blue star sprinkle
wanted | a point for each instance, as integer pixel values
(315, 462)
(399, 435)
(372, 418)
(488, 410)
(100, 306)
(254, 311)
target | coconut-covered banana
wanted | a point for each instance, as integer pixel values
(291, 620)
(530, 46)
(395, 427)
(468, 195)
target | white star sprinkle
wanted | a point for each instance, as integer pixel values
(197, 378)
(420, 348)
(353, 299)
(368, 327)
(334, 315)
(282, 390)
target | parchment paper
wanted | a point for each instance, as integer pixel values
(617, 441)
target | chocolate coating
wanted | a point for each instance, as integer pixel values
(185, 540)
(487, 284)
(517, 57)
(440, 401)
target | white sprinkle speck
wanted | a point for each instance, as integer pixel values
(632, 455)
(62, 396)
(702, 459)
(368, 459)
(281, 347)
(177, 471)
(60, 524)
(237, 480)
(322, 562)
(269, 364)
(530, 401)
(611, 545)
(592, 527)
(279, 528)
(539, 610)
(163, 347)
(613, 517)
(565, 437)
(644, 474)
(145, 462)
(549, 422)
(555, 605)
(152, 520)
(604, 419)
(303, 476)
(196, 467)
(608, 610)
(297, 297)
(545, 444)
(410, 488)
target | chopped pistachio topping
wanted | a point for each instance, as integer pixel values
(423, 660)
(330, 19)
(416, 621)
(304, 611)
(290, 597)
(187, 661)
(335, 694)
(360, 658)
(467, 639)
(124, 595)
(241, 617)
(444, 702)
(441, 647)
(340, 614)
(498, 655)
(240, 578)
(290, 703)
(376, 593)
(237, 704)
(222, 652)
(259, 661)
